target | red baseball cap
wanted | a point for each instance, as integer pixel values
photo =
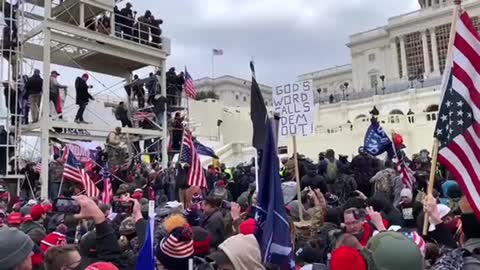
(37, 211)
(101, 266)
(15, 219)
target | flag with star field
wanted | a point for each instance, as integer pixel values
(458, 128)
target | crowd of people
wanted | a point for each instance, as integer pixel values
(144, 29)
(351, 215)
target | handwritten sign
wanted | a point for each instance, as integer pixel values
(294, 103)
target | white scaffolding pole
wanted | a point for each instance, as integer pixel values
(45, 119)
(164, 124)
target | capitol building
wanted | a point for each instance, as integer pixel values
(397, 68)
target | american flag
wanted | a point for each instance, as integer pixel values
(406, 174)
(73, 171)
(141, 116)
(195, 175)
(188, 87)
(458, 128)
(217, 52)
(107, 194)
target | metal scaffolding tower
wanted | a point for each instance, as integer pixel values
(60, 34)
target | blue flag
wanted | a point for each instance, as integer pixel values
(204, 150)
(145, 259)
(376, 140)
(272, 232)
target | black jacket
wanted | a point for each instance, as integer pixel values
(215, 226)
(107, 248)
(127, 12)
(82, 91)
(34, 85)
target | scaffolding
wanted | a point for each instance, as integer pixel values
(61, 33)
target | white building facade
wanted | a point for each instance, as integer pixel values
(232, 91)
(411, 48)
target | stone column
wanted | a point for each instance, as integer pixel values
(436, 65)
(426, 56)
(404, 57)
(393, 71)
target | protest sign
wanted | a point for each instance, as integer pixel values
(294, 103)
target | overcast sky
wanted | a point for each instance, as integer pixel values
(285, 37)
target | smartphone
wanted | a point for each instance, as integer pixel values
(66, 206)
(122, 207)
(226, 205)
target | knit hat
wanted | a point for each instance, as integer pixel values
(346, 258)
(201, 241)
(127, 226)
(406, 193)
(393, 251)
(248, 226)
(177, 247)
(101, 266)
(443, 210)
(15, 219)
(52, 240)
(36, 212)
(17, 250)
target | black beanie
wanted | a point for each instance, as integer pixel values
(17, 250)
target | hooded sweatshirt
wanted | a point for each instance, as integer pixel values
(247, 257)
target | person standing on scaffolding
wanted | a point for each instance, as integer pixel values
(82, 98)
(128, 20)
(55, 96)
(34, 94)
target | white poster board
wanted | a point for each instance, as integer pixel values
(294, 102)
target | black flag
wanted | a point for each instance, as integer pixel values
(258, 113)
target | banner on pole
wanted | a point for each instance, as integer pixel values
(294, 102)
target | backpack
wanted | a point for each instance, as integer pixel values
(332, 172)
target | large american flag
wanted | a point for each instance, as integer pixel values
(195, 175)
(458, 128)
(73, 171)
(189, 87)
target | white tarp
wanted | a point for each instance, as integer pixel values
(294, 102)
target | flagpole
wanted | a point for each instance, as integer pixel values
(433, 168)
(213, 65)
(297, 178)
